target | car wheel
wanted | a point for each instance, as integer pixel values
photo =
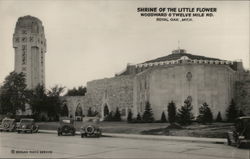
(59, 134)
(82, 135)
(18, 131)
(73, 133)
(238, 144)
(229, 141)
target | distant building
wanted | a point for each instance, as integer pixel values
(30, 47)
(175, 77)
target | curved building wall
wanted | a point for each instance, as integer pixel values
(212, 84)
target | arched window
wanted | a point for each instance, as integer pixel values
(106, 110)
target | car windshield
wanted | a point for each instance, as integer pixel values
(66, 121)
(26, 121)
(9, 121)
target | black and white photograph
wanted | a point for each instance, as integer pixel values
(125, 79)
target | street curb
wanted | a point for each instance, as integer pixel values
(155, 137)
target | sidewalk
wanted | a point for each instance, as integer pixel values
(156, 137)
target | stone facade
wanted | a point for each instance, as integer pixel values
(175, 77)
(30, 47)
(114, 92)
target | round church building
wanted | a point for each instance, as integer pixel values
(176, 77)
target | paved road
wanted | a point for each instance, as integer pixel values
(49, 146)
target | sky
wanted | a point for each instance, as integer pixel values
(88, 40)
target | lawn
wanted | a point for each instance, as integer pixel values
(215, 130)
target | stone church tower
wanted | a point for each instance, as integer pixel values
(30, 46)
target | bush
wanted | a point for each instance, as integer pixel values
(148, 114)
(232, 112)
(171, 112)
(129, 117)
(163, 117)
(205, 114)
(218, 118)
(109, 117)
(185, 115)
(117, 116)
(138, 118)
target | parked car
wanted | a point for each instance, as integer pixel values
(8, 124)
(66, 127)
(240, 136)
(27, 125)
(90, 127)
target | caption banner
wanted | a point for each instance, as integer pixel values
(177, 14)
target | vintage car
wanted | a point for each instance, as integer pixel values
(66, 127)
(90, 127)
(240, 136)
(27, 125)
(8, 124)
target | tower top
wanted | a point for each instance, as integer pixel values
(179, 50)
(29, 23)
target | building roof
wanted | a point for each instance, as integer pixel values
(177, 54)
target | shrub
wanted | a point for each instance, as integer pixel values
(185, 115)
(109, 117)
(129, 117)
(117, 116)
(163, 117)
(232, 112)
(205, 114)
(218, 118)
(138, 118)
(171, 112)
(148, 114)
(90, 113)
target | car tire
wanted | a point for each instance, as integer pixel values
(229, 141)
(82, 135)
(238, 144)
(18, 131)
(59, 134)
(73, 133)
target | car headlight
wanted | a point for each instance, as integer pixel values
(24, 126)
(241, 137)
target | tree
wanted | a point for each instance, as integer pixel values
(205, 114)
(38, 100)
(218, 118)
(117, 116)
(80, 91)
(129, 117)
(171, 112)
(64, 111)
(231, 112)
(163, 117)
(148, 114)
(13, 93)
(185, 115)
(54, 104)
